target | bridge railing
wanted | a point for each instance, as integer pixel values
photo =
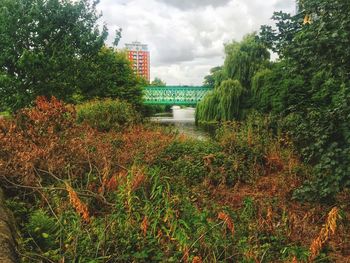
(174, 95)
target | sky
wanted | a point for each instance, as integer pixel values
(186, 37)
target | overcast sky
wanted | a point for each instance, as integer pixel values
(186, 37)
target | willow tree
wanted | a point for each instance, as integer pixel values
(232, 95)
(245, 58)
(216, 76)
(222, 104)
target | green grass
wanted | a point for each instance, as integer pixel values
(5, 114)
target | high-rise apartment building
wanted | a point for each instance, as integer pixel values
(138, 54)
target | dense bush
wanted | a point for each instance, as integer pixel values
(309, 88)
(108, 114)
(151, 110)
(323, 139)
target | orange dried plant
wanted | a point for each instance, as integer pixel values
(208, 161)
(227, 221)
(78, 205)
(197, 259)
(326, 232)
(186, 254)
(138, 178)
(144, 226)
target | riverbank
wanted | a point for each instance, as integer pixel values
(147, 194)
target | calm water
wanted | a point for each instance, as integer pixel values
(183, 120)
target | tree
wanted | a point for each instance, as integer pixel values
(44, 45)
(222, 104)
(216, 76)
(232, 96)
(243, 59)
(157, 82)
(109, 74)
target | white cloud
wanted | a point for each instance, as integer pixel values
(186, 37)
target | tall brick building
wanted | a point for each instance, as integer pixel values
(138, 54)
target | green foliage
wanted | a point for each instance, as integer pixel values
(5, 114)
(279, 92)
(44, 45)
(244, 59)
(309, 88)
(217, 75)
(147, 196)
(109, 74)
(241, 156)
(151, 110)
(231, 98)
(280, 39)
(186, 159)
(107, 114)
(324, 139)
(55, 48)
(157, 82)
(42, 230)
(222, 104)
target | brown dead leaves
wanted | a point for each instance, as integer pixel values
(77, 204)
(327, 231)
(227, 221)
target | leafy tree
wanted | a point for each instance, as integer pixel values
(231, 98)
(277, 90)
(43, 46)
(308, 87)
(245, 58)
(157, 82)
(109, 74)
(118, 36)
(279, 38)
(54, 48)
(216, 76)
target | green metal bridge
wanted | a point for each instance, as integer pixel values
(174, 95)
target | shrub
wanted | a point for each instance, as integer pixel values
(105, 115)
(47, 138)
(323, 139)
(187, 160)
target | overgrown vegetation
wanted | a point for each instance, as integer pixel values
(143, 195)
(106, 115)
(306, 90)
(89, 183)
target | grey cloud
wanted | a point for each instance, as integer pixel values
(287, 6)
(172, 55)
(186, 37)
(194, 4)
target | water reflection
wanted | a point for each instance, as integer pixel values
(184, 121)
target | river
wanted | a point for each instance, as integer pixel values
(183, 120)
